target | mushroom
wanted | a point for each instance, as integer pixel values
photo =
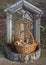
(21, 41)
(17, 42)
(27, 41)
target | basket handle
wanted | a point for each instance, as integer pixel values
(31, 35)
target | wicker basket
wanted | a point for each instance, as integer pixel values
(26, 49)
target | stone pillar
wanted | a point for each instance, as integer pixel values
(8, 28)
(36, 28)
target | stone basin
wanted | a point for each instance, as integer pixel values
(15, 56)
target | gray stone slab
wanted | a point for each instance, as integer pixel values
(41, 61)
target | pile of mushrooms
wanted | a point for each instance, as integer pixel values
(21, 42)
